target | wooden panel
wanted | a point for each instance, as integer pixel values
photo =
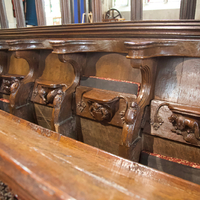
(170, 148)
(104, 137)
(115, 66)
(58, 167)
(3, 15)
(18, 66)
(44, 115)
(56, 71)
(190, 82)
(169, 79)
(173, 168)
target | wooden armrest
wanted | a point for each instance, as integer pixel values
(57, 167)
(184, 109)
(49, 84)
(12, 76)
(100, 95)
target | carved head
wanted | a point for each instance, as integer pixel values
(173, 118)
(181, 122)
(14, 86)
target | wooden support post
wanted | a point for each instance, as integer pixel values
(65, 7)
(187, 9)
(40, 11)
(19, 13)
(3, 16)
(97, 10)
(136, 9)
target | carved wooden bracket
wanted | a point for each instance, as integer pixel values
(149, 48)
(132, 126)
(21, 87)
(102, 105)
(73, 46)
(16, 45)
(185, 121)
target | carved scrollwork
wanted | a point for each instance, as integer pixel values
(10, 86)
(158, 121)
(131, 113)
(43, 94)
(81, 105)
(15, 85)
(58, 98)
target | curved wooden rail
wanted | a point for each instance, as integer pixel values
(40, 164)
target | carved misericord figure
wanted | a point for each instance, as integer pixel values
(187, 127)
(183, 125)
(99, 112)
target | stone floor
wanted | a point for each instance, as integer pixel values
(5, 192)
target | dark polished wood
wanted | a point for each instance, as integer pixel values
(138, 29)
(40, 11)
(75, 170)
(65, 6)
(19, 10)
(3, 15)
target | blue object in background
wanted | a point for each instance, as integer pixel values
(76, 20)
(31, 17)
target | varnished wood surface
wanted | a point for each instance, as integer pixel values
(56, 167)
(137, 29)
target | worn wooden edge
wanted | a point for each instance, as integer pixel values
(15, 45)
(143, 49)
(142, 29)
(136, 48)
(65, 141)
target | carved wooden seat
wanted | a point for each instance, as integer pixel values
(41, 164)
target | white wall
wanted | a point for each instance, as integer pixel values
(9, 11)
(197, 16)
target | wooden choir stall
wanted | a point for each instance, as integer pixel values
(84, 107)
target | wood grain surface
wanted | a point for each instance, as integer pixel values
(57, 167)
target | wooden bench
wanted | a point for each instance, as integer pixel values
(41, 164)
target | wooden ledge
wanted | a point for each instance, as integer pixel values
(12, 76)
(184, 109)
(143, 49)
(40, 164)
(50, 84)
(15, 45)
(3, 45)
